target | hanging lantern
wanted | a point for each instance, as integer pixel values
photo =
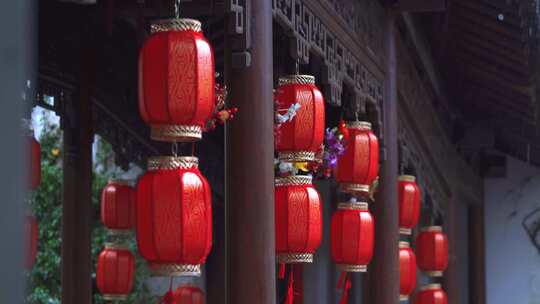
(31, 228)
(176, 80)
(174, 216)
(432, 250)
(352, 237)
(298, 219)
(407, 271)
(118, 206)
(409, 204)
(35, 162)
(115, 272)
(431, 294)
(301, 137)
(358, 167)
(189, 295)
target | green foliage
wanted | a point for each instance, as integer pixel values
(46, 203)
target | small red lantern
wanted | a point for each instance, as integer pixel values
(358, 167)
(431, 294)
(31, 227)
(115, 272)
(432, 250)
(176, 80)
(352, 237)
(407, 271)
(118, 206)
(35, 163)
(409, 204)
(174, 216)
(189, 295)
(298, 219)
(302, 137)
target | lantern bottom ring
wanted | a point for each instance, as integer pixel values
(115, 297)
(351, 268)
(297, 156)
(176, 133)
(119, 232)
(403, 297)
(435, 273)
(405, 231)
(294, 258)
(355, 189)
(175, 270)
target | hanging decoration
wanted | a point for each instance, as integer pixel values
(358, 168)
(31, 229)
(300, 128)
(118, 206)
(407, 271)
(431, 294)
(176, 80)
(432, 251)
(115, 272)
(333, 148)
(221, 113)
(174, 216)
(409, 203)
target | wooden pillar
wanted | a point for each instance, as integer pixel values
(451, 275)
(477, 255)
(384, 270)
(250, 168)
(77, 192)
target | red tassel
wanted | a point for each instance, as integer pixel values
(290, 290)
(281, 272)
(345, 283)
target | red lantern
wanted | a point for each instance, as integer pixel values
(432, 250)
(407, 271)
(409, 204)
(189, 295)
(431, 294)
(174, 216)
(118, 206)
(176, 80)
(302, 137)
(352, 237)
(31, 227)
(35, 163)
(115, 272)
(298, 220)
(358, 167)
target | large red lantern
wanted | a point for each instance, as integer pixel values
(352, 237)
(358, 167)
(432, 251)
(298, 219)
(409, 203)
(176, 80)
(189, 295)
(407, 271)
(118, 206)
(115, 272)
(431, 294)
(302, 137)
(174, 216)
(35, 163)
(31, 228)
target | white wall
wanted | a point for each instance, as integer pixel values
(512, 262)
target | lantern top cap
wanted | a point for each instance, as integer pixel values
(295, 180)
(176, 25)
(431, 286)
(296, 79)
(407, 178)
(432, 229)
(116, 246)
(363, 206)
(119, 181)
(172, 162)
(359, 125)
(404, 245)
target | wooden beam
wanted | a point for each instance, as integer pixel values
(490, 12)
(460, 30)
(491, 73)
(413, 6)
(477, 254)
(481, 57)
(476, 23)
(484, 47)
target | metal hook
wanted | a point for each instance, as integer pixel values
(174, 149)
(297, 67)
(177, 9)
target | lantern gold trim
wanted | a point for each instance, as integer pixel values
(407, 178)
(119, 232)
(359, 125)
(176, 133)
(119, 182)
(431, 286)
(432, 229)
(295, 180)
(294, 258)
(404, 245)
(116, 246)
(436, 273)
(405, 231)
(114, 297)
(297, 156)
(403, 297)
(355, 189)
(353, 206)
(175, 270)
(177, 25)
(351, 268)
(296, 79)
(172, 162)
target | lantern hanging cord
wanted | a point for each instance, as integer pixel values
(177, 9)
(174, 149)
